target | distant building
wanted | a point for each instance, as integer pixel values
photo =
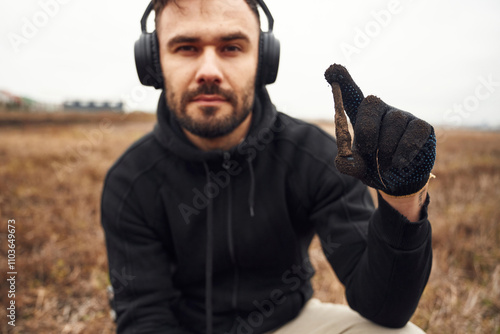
(12, 102)
(93, 106)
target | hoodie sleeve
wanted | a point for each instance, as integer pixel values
(138, 264)
(383, 260)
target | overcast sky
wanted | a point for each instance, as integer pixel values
(437, 59)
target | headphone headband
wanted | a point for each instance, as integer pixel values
(269, 16)
(145, 16)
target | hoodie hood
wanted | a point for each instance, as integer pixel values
(170, 135)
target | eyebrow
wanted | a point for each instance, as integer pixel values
(235, 36)
(181, 39)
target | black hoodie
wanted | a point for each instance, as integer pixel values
(218, 241)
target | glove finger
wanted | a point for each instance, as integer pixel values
(392, 129)
(367, 128)
(351, 94)
(353, 165)
(416, 135)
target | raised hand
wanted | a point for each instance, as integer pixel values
(393, 150)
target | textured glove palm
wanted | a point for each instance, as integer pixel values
(393, 150)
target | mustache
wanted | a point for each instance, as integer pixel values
(209, 89)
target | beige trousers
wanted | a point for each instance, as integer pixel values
(326, 318)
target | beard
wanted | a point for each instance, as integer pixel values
(210, 126)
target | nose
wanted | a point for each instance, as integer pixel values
(209, 70)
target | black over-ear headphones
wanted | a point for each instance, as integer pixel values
(147, 53)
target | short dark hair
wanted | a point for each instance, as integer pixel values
(159, 5)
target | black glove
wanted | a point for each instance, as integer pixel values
(393, 150)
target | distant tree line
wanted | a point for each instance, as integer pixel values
(12, 102)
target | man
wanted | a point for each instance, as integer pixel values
(208, 219)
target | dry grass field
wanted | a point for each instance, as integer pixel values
(51, 175)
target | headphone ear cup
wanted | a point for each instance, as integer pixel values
(147, 60)
(269, 58)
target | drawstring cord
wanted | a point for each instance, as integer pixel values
(251, 195)
(209, 260)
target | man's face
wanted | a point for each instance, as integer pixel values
(209, 56)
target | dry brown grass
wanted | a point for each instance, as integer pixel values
(51, 178)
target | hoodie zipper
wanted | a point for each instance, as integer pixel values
(234, 300)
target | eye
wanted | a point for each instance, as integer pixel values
(231, 48)
(186, 49)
